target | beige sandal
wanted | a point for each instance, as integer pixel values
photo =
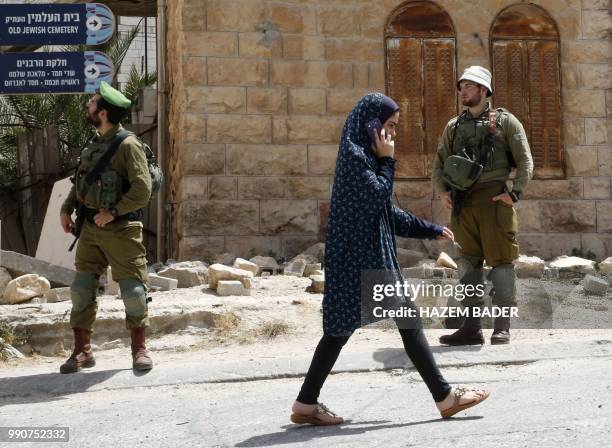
(320, 416)
(458, 393)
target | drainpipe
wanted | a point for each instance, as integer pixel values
(161, 121)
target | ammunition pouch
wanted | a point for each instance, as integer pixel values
(460, 172)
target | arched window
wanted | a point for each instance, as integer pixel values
(421, 75)
(524, 44)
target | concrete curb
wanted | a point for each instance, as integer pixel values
(99, 379)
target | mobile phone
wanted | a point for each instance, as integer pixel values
(373, 126)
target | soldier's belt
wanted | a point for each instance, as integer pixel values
(132, 216)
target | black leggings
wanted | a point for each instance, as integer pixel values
(416, 347)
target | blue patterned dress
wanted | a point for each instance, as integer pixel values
(362, 221)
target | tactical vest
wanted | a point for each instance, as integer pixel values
(106, 191)
(469, 134)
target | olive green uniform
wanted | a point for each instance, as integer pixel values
(487, 229)
(119, 243)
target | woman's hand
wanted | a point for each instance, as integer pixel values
(384, 146)
(447, 234)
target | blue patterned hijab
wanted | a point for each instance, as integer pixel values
(354, 133)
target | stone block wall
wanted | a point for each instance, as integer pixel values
(259, 91)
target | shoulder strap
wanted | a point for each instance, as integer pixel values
(455, 129)
(110, 152)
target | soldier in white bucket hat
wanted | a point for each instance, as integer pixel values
(479, 150)
(479, 75)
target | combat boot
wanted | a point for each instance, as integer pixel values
(82, 356)
(501, 331)
(141, 358)
(469, 334)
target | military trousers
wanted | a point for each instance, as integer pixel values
(486, 230)
(118, 245)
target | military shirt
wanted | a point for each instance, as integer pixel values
(510, 136)
(130, 162)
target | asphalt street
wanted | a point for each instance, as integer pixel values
(562, 402)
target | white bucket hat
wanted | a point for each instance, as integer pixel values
(479, 75)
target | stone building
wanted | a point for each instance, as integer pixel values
(258, 91)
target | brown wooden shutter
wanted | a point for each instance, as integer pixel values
(525, 55)
(526, 82)
(440, 93)
(421, 76)
(405, 87)
(545, 108)
(421, 79)
(510, 83)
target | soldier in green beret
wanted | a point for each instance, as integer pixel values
(110, 203)
(479, 150)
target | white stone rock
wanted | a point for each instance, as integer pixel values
(312, 269)
(199, 266)
(445, 261)
(53, 245)
(187, 273)
(595, 285)
(162, 283)
(295, 268)
(245, 265)
(55, 295)
(573, 265)
(24, 288)
(11, 351)
(218, 272)
(247, 282)
(605, 267)
(268, 264)
(317, 284)
(20, 264)
(232, 288)
(5, 278)
(529, 267)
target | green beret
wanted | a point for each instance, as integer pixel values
(114, 96)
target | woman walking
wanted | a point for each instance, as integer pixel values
(361, 233)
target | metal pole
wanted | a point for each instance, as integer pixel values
(146, 50)
(161, 119)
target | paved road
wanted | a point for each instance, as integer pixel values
(564, 402)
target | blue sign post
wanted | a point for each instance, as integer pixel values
(56, 24)
(57, 72)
